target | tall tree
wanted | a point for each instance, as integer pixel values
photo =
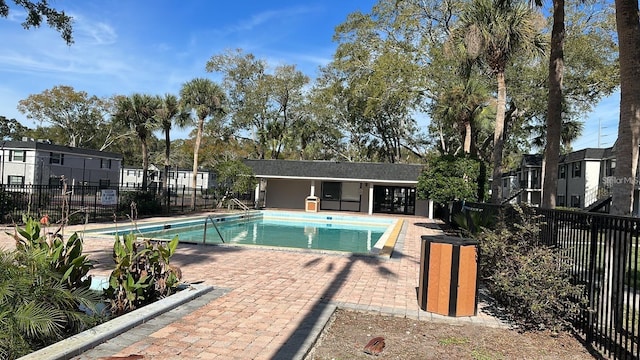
(626, 147)
(168, 114)
(265, 103)
(204, 98)
(138, 112)
(77, 113)
(38, 11)
(494, 31)
(554, 107)
(11, 129)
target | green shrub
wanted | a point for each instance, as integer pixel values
(142, 273)
(447, 178)
(43, 285)
(473, 221)
(65, 257)
(145, 203)
(531, 280)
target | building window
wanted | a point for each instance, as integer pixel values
(611, 167)
(56, 158)
(171, 175)
(331, 190)
(562, 172)
(131, 173)
(104, 183)
(17, 155)
(15, 180)
(561, 200)
(575, 201)
(105, 163)
(54, 180)
(576, 169)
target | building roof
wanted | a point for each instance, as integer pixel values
(584, 154)
(45, 146)
(332, 170)
(532, 160)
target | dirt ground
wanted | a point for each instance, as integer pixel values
(348, 332)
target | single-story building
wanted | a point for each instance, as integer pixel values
(339, 186)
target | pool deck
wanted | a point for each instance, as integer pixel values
(274, 303)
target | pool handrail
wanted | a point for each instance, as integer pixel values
(204, 236)
(239, 204)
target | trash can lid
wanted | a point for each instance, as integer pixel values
(443, 239)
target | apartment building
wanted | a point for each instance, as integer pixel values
(584, 179)
(39, 162)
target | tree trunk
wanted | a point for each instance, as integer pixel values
(554, 108)
(145, 165)
(626, 148)
(165, 175)
(467, 137)
(626, 151)
(196, 150)
(498, 140)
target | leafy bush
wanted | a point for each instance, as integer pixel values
(447, 178)
(531, 280)
(65, 257)
(43, 285)
(146, 203)
(473, 221)
(142, 273)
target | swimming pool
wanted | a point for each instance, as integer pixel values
(268, 228)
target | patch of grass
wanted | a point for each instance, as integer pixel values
(453, 341)
(482, 354)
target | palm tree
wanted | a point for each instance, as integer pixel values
(168, 114)
(494, 31)
(138, 112)
(626, 150)
(626, 147)
(570, 129)
(204, 98)
(554, 107)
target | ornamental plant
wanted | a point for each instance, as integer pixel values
(142, 273)
(43, 286)
(531, 280)
(65, 256)
(447, 178)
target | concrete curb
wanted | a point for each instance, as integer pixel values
(88, 339)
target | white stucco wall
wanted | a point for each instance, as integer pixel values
(288, 194)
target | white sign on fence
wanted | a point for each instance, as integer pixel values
(109, 197)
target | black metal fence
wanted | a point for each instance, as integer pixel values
(604, 252)
(85, 203)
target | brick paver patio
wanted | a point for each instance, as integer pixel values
(274, 298)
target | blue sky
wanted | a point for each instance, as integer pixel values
(122, 47)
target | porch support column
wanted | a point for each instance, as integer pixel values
(256, 195)
(430, 209)
(312, 192)
(371, 200)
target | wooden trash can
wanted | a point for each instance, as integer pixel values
(448, 276)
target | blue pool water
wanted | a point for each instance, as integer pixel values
(352, 234)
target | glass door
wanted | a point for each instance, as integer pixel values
(394, 200)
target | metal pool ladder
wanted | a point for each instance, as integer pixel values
(239, 204)
(213, 221)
